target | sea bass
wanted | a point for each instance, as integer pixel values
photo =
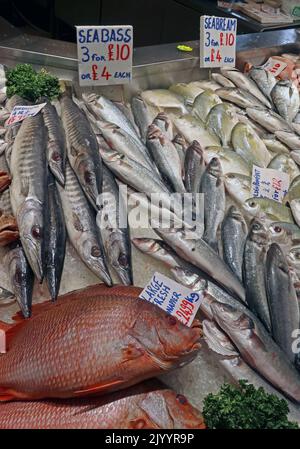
(89, 358)
(148, 405)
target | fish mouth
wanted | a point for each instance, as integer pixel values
(31, 250)
(59, 175)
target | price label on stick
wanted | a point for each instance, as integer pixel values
(269, 183)
(217, 41)
(173, 298)
(104, 54)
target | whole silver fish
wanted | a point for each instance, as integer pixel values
(114, 233)
(28, 189)
(282, 299)
(264, 79)
(230, 359)
(212, 186)
(239, 97)
(200, 254)
(203, 103)
(82, 148)
(220, 121)
(141, 115)
(234, 234)
(285, 96)
(244, 82)
(285, 164)
(254, 271)
(55, 244)
(193, 167)
(56, 142)
(271, 121)
(105, 109)
(258, 349)
(81, 226)
(166, 158)
(20, 275)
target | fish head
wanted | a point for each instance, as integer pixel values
(276, 256)
(93, 254)
(163, 122)
(216, 340)
(89, 97)
(214, 167)
(190, 279)
(252, 207)
(231, 320)
(30, 218)
(234, 181)
(57, 165)
(258, 232)
(293, 258)
(236, 215)
(167, 341)
(279, 234)
(120, 259)
(169, 410)
(87, 174)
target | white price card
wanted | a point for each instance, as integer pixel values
(173, 298)
(269, 183)
(274, 66)
(104, 54)
(20, 112)
(217, 41)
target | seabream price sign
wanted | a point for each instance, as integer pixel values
(217, 41)
(104, 54)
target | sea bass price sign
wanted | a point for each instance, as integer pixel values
(217, 41)
(104, 54)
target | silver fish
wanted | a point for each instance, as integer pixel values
(141, 115)
(82, 148)
(290, 139)
(193, 167)
(163, 98)
(268, 209)
(105, 109)
(166, 158)
(164, 123)
(28, 189)
(20, 275)
(295, 207)
(248, 145)
(114, 233)
(231, 162)
(258, 349)
(81, 226)
(238, 186)
(55, 244)
(244, 82)
(181, 146)
(230, 359)
(204, 103)
(222, 80)
(282, 300)
(285, 234)
(254, 271)
(212, 185)
(200, 254)
(221, 120)
(56, 142)
(234, 234)
(274, 145)
(240, 97)
(264, 79)
(285, 96)
(193, 129)
(188, 91)
(271, 121)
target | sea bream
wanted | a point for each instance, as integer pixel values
(28, 189)
(82, 148)
(148, 405)
(82, 230)
(114, 340)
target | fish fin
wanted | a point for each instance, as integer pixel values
(98, 388)
(7, 332)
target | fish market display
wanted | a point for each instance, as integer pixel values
(149, 405)
(103, 360)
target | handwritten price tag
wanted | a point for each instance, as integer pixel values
(269, 183)
(217, 41)
(172, 297)
(104, 54)
(20, 112)
(274, 66)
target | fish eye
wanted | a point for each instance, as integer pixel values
(123, 260)
(172, 320)
(56, 157)
(95, 252)
(230, 176)
(88, 177)
(277, 229)
(252, 203)
(36, 231)
(297, 254)
(256, 227)
(181, 399)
